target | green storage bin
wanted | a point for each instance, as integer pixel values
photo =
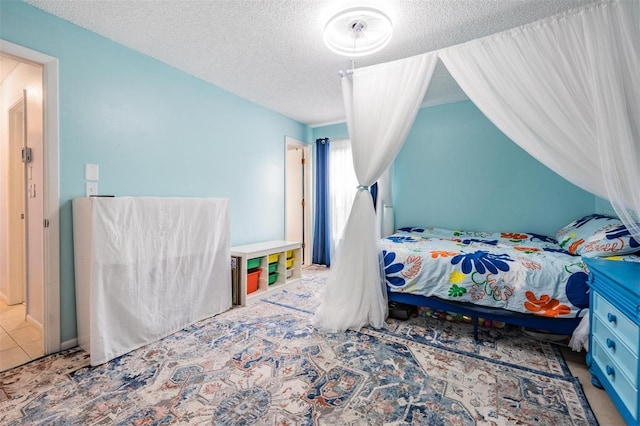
(273, 267)
(253, 263)
(273, 277)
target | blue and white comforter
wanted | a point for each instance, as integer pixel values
(521, 272)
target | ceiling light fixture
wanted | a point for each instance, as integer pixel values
(358, 31)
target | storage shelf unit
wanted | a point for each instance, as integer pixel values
(614, 355)
(241, 254)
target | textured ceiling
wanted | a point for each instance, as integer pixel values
(271, 51)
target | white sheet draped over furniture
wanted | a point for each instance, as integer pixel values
(147, 267)
(565, 88)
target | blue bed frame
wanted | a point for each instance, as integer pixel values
(564, 326)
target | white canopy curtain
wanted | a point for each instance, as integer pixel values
(567, 90)
(381, 104)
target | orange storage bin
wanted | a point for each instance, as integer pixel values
(252, 281)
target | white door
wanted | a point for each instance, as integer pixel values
(295, 194)
(298, 205)
(16, 268)
(26, 194)
(35, 205)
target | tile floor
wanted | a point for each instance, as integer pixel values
(20, 342)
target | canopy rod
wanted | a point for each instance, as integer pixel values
(343, 73)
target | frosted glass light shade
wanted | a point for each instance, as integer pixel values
(358, 32)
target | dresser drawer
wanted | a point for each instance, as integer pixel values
(618, 351)
(615, 320)
(618, 381)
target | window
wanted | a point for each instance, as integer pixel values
(342, 187)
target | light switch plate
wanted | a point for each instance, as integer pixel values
(92, 188)
(91, 171)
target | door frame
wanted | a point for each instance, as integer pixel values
(51, 189)
(290, 142)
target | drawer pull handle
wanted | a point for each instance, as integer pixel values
(611, 318)
(610, 371)
(611, 344)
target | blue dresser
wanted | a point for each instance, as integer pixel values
(615, 332)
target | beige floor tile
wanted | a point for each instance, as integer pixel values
(4, 307)
(25, 335)
(12, 358)
(13, 311)
(14, 323)
(6, 342)
(34, 349)
(20, 341)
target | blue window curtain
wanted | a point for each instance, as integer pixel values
(374, 194)
(322, 232)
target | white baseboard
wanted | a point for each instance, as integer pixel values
(35, 323)
(68, 344)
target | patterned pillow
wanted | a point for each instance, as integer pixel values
(597, 235)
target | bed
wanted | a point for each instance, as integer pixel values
(520, 278)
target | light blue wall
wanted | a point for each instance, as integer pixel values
(604, 207)
(333, 131)
(457, 170)
(154, 131)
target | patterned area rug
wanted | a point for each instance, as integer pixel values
(265, 364)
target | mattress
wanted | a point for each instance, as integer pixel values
(520, 272)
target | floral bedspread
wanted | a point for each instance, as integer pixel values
(521, 272)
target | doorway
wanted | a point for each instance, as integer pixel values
(298, 196)
(29, 206)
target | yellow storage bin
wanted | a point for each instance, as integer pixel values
(274, 257)
(289, 254)
(290, 262)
